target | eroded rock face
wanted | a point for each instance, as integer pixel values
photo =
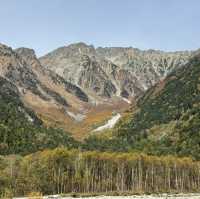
(109, 72)
(29, 56)
(35, 83)
(19, 71)
(94, 78)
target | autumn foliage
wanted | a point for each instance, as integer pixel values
(65, 171)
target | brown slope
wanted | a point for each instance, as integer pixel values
(80, 116)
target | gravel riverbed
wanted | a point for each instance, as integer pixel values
(162, 196)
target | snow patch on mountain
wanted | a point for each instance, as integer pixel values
(126, 100)
(110, 123)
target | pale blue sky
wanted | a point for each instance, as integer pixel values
(47, 24)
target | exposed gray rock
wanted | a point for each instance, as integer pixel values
(94, 78)
(29, 56)
(115, 71)
(17, 67)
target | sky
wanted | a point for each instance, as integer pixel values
(45, 25)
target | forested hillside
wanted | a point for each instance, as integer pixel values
(21, 132)
(166, 120)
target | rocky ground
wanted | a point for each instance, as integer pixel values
(161, 196)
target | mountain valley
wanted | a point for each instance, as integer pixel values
(89, 115)
(78, 87)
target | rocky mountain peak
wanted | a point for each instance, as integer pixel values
(27, 53)
(29, 56)
(4, 48)
(129, 70)
(81, 45)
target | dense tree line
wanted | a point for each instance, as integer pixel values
(61, 171)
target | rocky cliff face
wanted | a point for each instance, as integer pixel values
(20, 71)
(45, 92)
(29, 56)
(110, 72)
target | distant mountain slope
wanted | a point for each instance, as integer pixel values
(10, 98)
(110, 72)
(79, 88)
(28, 94)
(21, 131)
(166, 119)
(39, 89)
(44, 74)
(111, 76)
(57, 102)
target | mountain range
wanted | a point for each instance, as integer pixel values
(112, 72)
(79, 87)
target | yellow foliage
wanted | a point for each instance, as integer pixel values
(35, 195)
